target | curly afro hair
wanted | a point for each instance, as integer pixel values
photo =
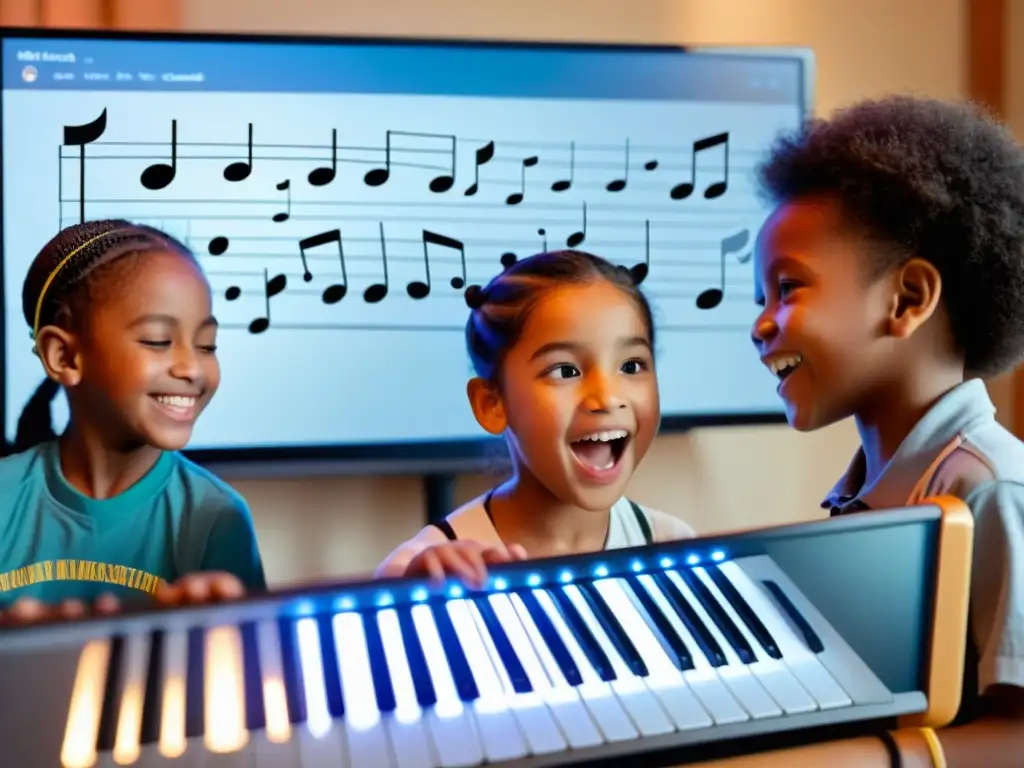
(936, 180)
(86, 253)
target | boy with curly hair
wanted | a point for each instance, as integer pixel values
(891, 273)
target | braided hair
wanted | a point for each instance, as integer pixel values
(62, 282)
(500, 309)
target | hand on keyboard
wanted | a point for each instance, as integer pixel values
(204, 587)
(468, 560)
(28, 610)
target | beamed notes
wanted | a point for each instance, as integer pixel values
(388, 227)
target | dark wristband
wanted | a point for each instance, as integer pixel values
(892, 748)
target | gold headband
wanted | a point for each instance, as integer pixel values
(56, 271)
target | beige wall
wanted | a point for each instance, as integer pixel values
(327, 527)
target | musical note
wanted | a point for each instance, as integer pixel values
(508, 259)
(378, 291)
(712, 297)
(324, 175)
(159, 175)
(217, 246)
(440, 183)
(79, 136)
(285, 186)
(640, 271)
(240, 170)
(334, 292)
(563, 184)
(483, 155)
(271, 288)
(544, 239)
(517, 197)
(576, 238)
(717, 189)
(617, 185)
(418, 289)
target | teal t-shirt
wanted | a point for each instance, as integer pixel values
(57, 544)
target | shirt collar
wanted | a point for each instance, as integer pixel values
(951, 415)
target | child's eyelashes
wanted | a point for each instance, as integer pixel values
(634, 366)
(562, 371)
(207, 349)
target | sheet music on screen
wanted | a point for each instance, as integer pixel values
(341, 197)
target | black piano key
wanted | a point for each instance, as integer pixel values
(516, 674)
(465, 684)
(329, 662)
(153, 698)
(378, 665)
(702, 635)
(744, 611)
(425, 693)
(194, 692)
(673, 644)
(255, 714)
(728, 628)
(594, 653)
(810, 636)
(553, 641)
(113, 689)
(616, 634)
(295, 693)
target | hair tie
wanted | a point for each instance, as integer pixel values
(475, 297)
(56, 270)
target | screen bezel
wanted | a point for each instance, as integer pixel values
(420, 457)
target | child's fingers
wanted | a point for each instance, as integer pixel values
(106, 604)
(517, 552)
(470, 564)
(25, 610)
(71, 609)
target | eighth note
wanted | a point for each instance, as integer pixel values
(420, 290)
(334, 292)
(717, 189)
(517, 197)
(712, 297)
(271, 288)
(483, 155)
(159, 175)
(240, 170)
(285, 186)
(79, 136)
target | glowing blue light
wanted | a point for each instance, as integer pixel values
(565, 577)
(455, 591)
(666, 562)
(305, 608)
(419, 594)
(384, 599)
(601, 571)
(637, 566)
(692, 560)
(718, 555)
(533, 580)
(346, 604)
(500, 584)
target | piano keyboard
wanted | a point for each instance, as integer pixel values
(567, 666)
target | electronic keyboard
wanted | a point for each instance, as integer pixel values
(667, 654)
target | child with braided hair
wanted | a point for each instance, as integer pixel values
(562, 344)
(110, 511)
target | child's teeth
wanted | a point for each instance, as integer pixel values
(782, 363)
(176, 401)
(605, 437)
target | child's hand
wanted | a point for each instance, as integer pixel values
(198, 588)
(467, 560)
(29, 610)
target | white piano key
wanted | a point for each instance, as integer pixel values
(664, 678)
(365, 733)
(535, 721)
(320, 741)
(565, 703)
(607, 710)
(634, 694)
(702, 679)
(273, 746)
(225, 734)
(747, 689)
(172, 743)
(127, 749)
(497, 726)
(800, 660)
(452, 726)
(776, 679)
(83, 725)
(406, 726)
